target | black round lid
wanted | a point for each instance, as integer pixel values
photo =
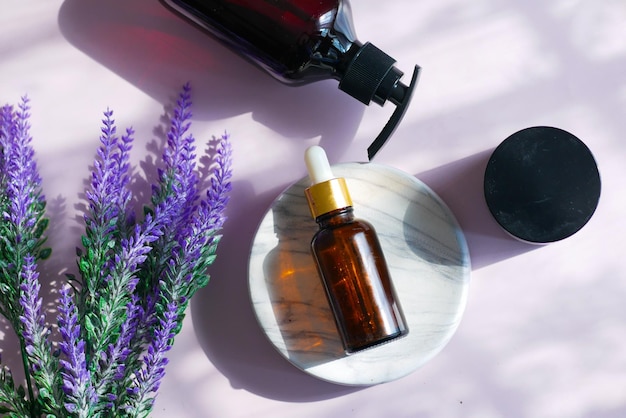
(542, 184)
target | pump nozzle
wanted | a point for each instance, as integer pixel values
(371, 76)
(396, 116)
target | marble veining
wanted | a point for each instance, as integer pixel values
(427, 257)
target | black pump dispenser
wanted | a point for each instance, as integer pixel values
(302, 41)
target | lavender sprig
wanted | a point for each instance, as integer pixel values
(21, 228)
(122, 280)
(7, 288)
(106, 221)
(23, 182)
(21, 223)
(178, 179)
(6, 123)
(77, 385)
(179, 157)
(43, 365)
(177, 189)
(112, 364)
(112, 258)
(198, 245)
(148, 379)
(136, 278)
(192, 245)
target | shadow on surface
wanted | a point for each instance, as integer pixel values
(225, 323)
(460, 185)
(155, 50)
(222, 313)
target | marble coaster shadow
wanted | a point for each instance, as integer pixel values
(427, 257)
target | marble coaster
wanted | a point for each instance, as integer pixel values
(428, 260)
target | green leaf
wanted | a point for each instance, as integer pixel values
(178, 327)
(83, 265)
(210, 259)
(42, 225)
(91, 254)
(203, 280)
(89, 323)
(5, 288)
(44, 393)
(85, 241)
(45, 253)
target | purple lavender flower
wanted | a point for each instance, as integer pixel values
(77, 385)
(180, 257)
(127, 259)
(137, 278)
(111, 371)
(109, 195)
(149, 377)
(201, 242)
(178, 179)
(23, 185)
(6, 121)
(43, 366)
(185, 272)
(21, 228)
(122, 279)
(6, 146)
(34, 327)
(178, 189)
(211, 212)
(109, 268)
(179, 156)
(108, 200)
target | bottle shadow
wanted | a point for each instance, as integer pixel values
(460, 186)
(157, 51)
(225, 323)
(299, 304)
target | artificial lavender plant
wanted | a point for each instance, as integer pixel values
(118, 317)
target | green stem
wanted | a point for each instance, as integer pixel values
(29, 383)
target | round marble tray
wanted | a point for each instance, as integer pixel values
(428, 261)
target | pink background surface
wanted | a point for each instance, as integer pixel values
(544, 334)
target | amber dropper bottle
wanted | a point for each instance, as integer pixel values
(302, 41)
(350, 262)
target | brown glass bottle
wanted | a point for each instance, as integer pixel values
(356, 278)
(351, 263)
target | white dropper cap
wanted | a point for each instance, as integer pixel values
(317, 164)
(327, 192)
